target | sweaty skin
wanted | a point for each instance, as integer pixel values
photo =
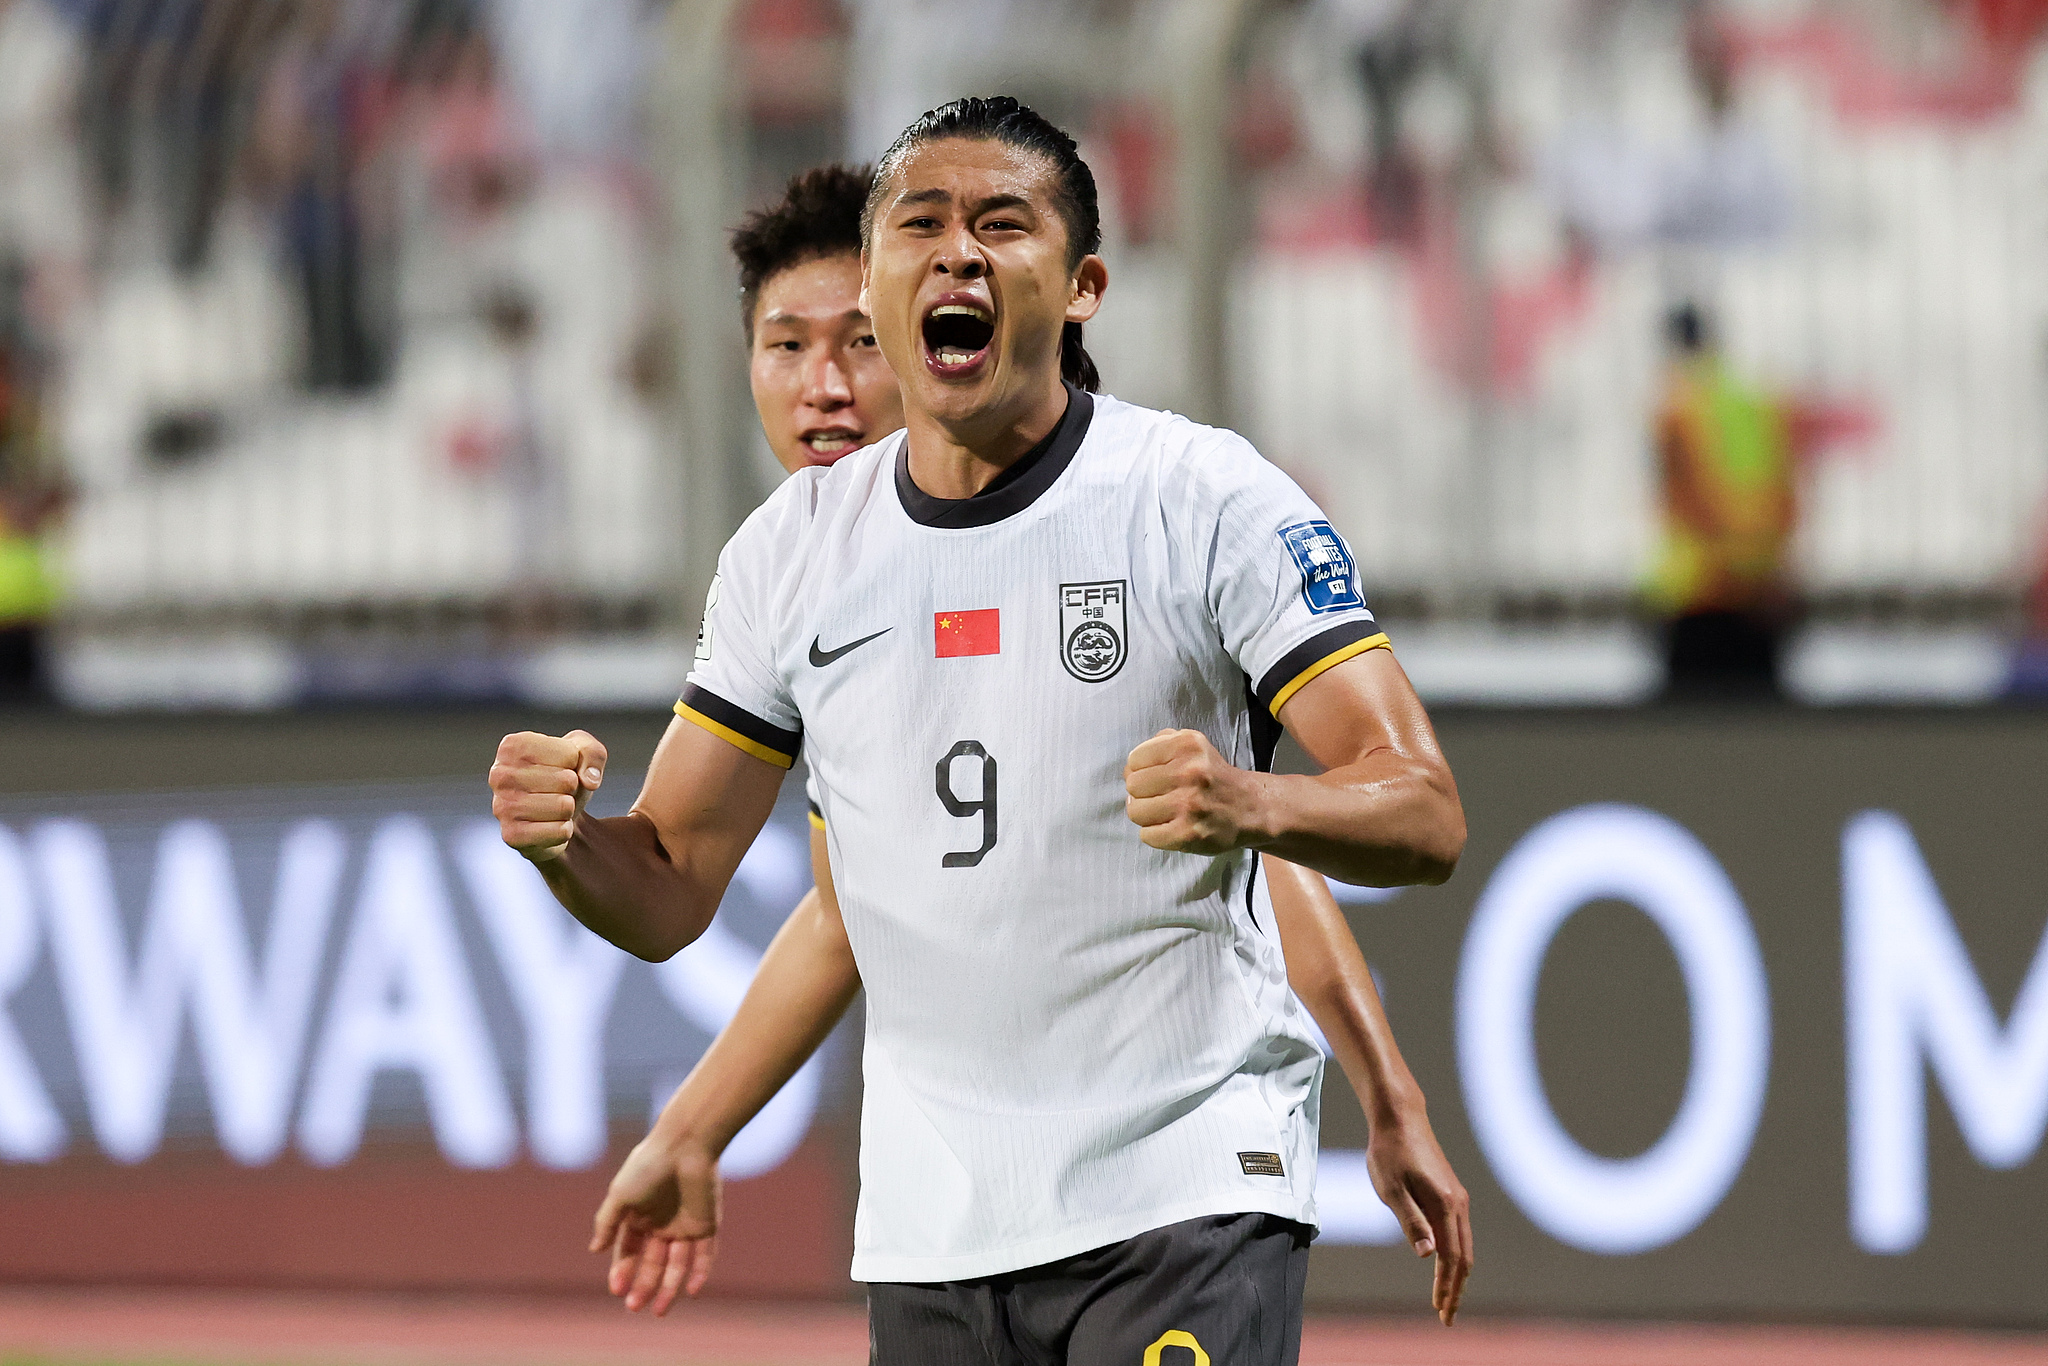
(972, 223)
(975, 220)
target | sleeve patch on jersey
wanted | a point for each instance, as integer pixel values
(762, 739)
(1315, 656)
(1261, 1164)
(1329, 581)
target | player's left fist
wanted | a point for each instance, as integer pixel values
(1185, 796)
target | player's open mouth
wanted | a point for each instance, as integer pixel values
(957, 335)
(827, 444)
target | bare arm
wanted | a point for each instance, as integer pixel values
(1409, 1170)
(660, 1216)
(1384, 812)
(649, 881)
(805, 982)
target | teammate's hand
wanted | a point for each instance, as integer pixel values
(660, 1220)
(1185, 796)
(1414, 1180)
(539, 787)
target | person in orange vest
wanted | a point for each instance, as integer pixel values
(1728, 460)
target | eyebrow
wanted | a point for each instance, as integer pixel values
(850, 315)
(976, 209)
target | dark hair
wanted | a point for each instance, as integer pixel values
(1686, 328)
(819, 215)
(1004, 119)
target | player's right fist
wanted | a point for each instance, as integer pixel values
(539, 786)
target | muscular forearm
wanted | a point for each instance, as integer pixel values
(804, 985)
(616, 877)
(1383, 821)
(649, 881)
(1328, 971)
(1385, 811)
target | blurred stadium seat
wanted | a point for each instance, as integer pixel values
(363, 334)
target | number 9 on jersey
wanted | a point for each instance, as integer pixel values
(985, 807)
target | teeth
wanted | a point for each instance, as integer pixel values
(949, 355)
(964, 309)
(830, 445)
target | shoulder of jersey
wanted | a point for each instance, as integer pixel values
(1180, 445)
(801, 497)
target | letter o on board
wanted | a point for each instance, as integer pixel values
(1631, 854)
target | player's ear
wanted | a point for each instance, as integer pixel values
(1090, 283)
(864, 283)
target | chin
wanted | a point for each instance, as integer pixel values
(957, 399)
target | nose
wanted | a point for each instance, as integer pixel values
(827, 386)
(961, 257)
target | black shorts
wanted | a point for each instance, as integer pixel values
(1225, 1289)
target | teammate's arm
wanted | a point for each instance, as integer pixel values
(1409, 1170)
(651, 880)
(660, 1217)
(1383, 813)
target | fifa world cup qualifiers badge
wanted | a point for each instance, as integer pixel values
(1092, 629)
(1329, 583)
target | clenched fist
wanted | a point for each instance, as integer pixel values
(1185, 796)
(539, 786)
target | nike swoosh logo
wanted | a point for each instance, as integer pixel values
(820, 658)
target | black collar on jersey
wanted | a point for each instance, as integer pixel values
(1016, 488)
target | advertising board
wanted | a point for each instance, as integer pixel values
(1736, 1014)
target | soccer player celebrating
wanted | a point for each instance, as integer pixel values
(1089, 1128)
(819, 382)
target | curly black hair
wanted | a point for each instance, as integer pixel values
(818, 216)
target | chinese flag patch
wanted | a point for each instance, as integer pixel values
(967, 633)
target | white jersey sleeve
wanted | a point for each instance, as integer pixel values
(1282, 586)
(737, 691)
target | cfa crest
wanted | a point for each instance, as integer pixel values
(1329, 582)
(1092, 629)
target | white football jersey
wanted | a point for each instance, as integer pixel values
(1071, 1037)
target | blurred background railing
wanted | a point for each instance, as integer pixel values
(388, 348)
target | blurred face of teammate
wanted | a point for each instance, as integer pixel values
(968, 282)
(820, 382)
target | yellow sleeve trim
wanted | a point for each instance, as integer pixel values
(817, 821)
(727, 733)
(1327, 663)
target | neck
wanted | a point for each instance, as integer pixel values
(958, 459)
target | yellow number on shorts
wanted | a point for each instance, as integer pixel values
(1175, 1337)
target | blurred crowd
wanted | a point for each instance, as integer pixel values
(1528, 249)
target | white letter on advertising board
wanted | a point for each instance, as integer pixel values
(403, 999)
(562, 977)
(30, 1129)
(124, 1027)
(1634, 855)
(1912, 994)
